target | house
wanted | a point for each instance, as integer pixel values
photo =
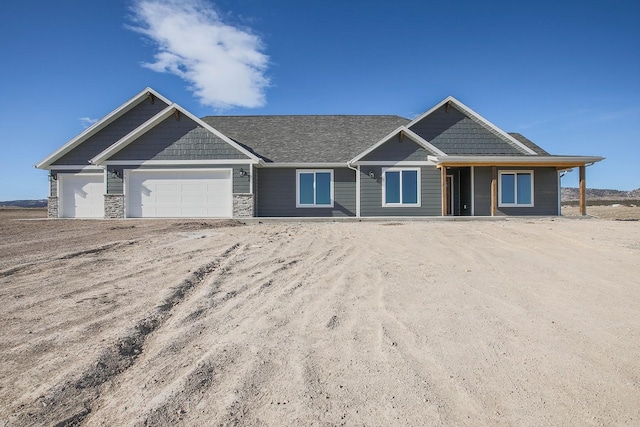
(152, 158)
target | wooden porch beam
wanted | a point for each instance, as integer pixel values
(443, 189)
(583, 190)
(494, 191)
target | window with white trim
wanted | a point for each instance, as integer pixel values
(314, 188)
(515, 188)
(401, 187)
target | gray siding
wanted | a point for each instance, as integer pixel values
(180, 139)
(394, 150)
(455, 133)
(112, 133)
(277, 194)
(371, 194)
(53, 185)
(545, 192)
(241, 184)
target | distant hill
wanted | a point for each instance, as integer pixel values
(573, 194)
(42, 203)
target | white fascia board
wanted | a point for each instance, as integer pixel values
(542, 160)
(178, 162)
(99, 125)
(133, 135)
(396, 163)
(304, 165)
(477, 117)
(73, 167)
(219, 134)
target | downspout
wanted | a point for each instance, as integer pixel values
(357, 171)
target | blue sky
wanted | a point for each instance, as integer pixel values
(563, 73)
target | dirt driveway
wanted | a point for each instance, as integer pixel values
(528, 322)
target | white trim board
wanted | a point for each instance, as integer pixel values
(304, 165)
(178, 162)
(399, 163)
(74, 167)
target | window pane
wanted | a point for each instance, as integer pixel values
(409, 186)
(508, 188)
(524, 188)
(306, 188)
(392, 187)
(323, 188)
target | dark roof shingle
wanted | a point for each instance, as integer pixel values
(306, 139)
(530, 144)
(319, 139)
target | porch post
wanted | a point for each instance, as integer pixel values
(443, 189)
(494, 191)
(583, 191)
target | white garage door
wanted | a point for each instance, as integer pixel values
(174, 194)
(81, 196)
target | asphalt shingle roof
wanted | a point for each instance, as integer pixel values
(317, 139)
(308, 139)
(530, 144)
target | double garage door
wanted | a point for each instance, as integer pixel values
(173, 194)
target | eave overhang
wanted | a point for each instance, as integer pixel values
(303, 164)
(560, 162)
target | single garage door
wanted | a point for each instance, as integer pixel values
(81, 196)
(174, 194)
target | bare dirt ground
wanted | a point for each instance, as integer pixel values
(514, 322)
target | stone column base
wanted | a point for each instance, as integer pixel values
(114, 205)
(52, 207)
(242, 205)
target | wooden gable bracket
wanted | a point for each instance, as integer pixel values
(176, 113)
(152, 98)
(400, 136)
(447, 105)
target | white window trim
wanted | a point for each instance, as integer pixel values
(384, 188)
(515, 204)
(314, 171)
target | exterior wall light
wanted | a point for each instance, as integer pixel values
(243, 172)
(371, 174)
(115, 173)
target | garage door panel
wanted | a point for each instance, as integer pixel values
(179, 194)
(164, 187)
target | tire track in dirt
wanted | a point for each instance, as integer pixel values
(70, 403)
(92, 251)
(211, 310)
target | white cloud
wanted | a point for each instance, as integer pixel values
(87, 121)
(223, 64)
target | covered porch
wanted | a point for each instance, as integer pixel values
(481, 185)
